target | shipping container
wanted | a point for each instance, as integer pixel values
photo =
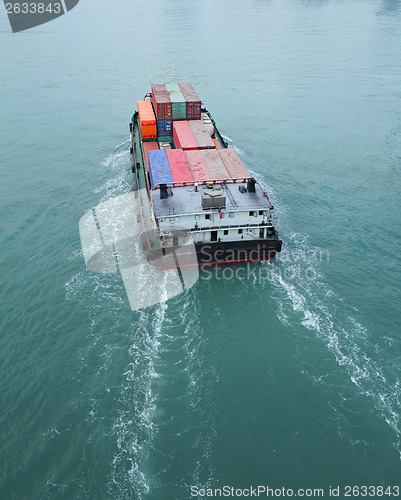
(172, 87)
(159, 169)
(183, 136)
(178, 102)
(164, 127)
(192, 100)
(179, 166)
(201, 134)
(197, 166)
(147, 120)
(165, 138)
(149, 146)
(233, 164)
(215, 165)
(216, 143)
(161, 102)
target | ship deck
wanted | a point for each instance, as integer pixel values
(185, 200)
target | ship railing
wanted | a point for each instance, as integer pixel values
(262, 225)
(267, 224)
(228, 180)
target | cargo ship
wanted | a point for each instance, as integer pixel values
(197, 198)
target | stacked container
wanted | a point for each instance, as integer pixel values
(178, 102)
(161, 102)
(147, 121)
(201, 134)
(197, 166)
(164, 130)
(179, 167)
(183, 136)
(174, 101)
(163, 109)
(193, 102)
(149, 146)
(159, 169)
(233, 164)
(215, 165)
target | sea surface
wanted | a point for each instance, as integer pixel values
(287, 374)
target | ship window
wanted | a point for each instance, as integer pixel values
(231, 215)
(255, 214)
(225, 232)
(261, 212)
(197, 217)
(239, 231)
(207, 216)
(251, 213)
(171, 219)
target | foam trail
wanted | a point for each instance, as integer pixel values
(123, 144)
(134, 428)
(345, 340)
(118, 164)
(227, 139)
(342, 341)
(184, 402)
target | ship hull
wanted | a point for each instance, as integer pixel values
(214, 254)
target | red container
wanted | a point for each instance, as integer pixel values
(183, 136)
(161, 102)
(149, 146)
(192, 100)
(201, 134)
(215, 165)
(179, 166)
(197, 166)
(233, 164)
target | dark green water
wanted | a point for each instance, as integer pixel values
(290, 377)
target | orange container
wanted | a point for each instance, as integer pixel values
(216, 144)
(147, 120)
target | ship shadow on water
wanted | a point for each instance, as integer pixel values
(112, 240)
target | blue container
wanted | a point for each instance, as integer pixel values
(159, 169)
(164, 127)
